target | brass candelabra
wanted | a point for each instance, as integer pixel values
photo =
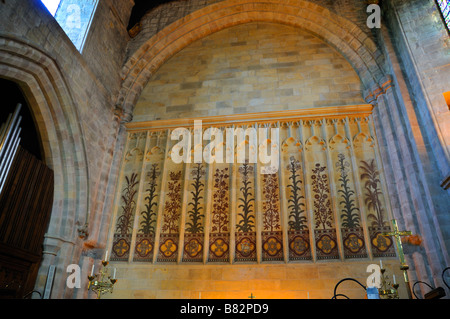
(387, 289)
(102, 282)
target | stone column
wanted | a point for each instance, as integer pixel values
(52, 247)
(409, 196)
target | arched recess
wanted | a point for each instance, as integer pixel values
(57, 122)
(345, 36)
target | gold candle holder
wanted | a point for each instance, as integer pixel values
(387, 289)
(102, 282)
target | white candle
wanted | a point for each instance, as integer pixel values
(114, 276)
(393, 277)
(381, 264)
(92, 271)
(106, 256)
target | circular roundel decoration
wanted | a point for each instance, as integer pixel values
(144, 247)
(193, 247)
(383, 243)
(219, 247)
(353, 243)
(168, 248)
(272, 246)
(121, 247)
(245, 246)
(326, 244)
(299, 245)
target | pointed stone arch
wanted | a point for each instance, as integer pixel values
(346, 37)
(57, 122)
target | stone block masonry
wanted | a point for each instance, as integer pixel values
(249, 68)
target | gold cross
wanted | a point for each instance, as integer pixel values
(251, 296)
(398, 234)
(403, 266)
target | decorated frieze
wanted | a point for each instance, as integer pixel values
(297, 186)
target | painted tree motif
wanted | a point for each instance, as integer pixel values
(125, 221)
(172, 206)
(296, 206)
(149, 215)
(322, 204)
(247, 223)
(194, 226)
(350, 213)
(220, 201)
(373, 192)
(271, 219)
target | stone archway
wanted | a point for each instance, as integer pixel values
(339, 32)
(57, 122)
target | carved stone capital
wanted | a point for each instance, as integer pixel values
(52, 245)
(122, 115)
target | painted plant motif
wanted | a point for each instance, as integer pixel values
(296, 207)
(247, 223)
(125, 221)
(350, 213)
(173, 204)
(373, 192)
(271, 219)
(322, 204)
(194, 226)
(220, 201)
(272, 241)
(149, 214)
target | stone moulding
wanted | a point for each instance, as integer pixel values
(360, 110)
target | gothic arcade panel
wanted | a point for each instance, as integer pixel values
(149, 201)
(298, 222)
(371, 180)
(321, 204)
(245, 213)
(172, 194)
(194, 229)
(127, 197)
(323, 198)
(219, 236)
(347, 203)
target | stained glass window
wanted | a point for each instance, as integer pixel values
(444, 5)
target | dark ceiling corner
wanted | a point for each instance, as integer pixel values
(141, 7)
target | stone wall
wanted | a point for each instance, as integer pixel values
(255, 67)
(314, 281)
(417, 44)
(72, 96)
(162, 16)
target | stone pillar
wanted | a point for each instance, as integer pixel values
(411, 202)
(52, 247)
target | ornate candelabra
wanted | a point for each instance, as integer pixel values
(102, 282)
(388, 290)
